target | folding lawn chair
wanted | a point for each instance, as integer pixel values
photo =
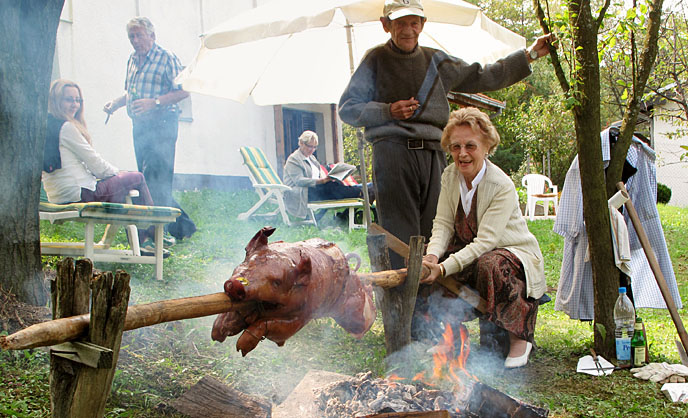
(271, 190)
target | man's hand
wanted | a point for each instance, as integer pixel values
(111, 106)
(403, 109)
(141, 106)
(540, 46)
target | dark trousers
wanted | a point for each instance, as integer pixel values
(407, 186)
(155, 142)
(333, 190)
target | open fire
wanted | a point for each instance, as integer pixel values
(447, 387)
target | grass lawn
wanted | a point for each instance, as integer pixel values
(160, 362)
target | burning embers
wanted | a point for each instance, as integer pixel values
(448, 388)
(363, 395)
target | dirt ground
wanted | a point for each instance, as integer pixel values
(16, 315)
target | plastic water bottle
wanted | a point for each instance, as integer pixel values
(624, 318)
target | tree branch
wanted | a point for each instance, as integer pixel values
(603, 12)
(558, 69)
(647, 59)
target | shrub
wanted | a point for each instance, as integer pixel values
(663, 193)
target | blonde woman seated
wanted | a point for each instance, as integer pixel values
(73, 171)
(482, 238)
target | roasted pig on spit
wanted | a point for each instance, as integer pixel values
(291, 284)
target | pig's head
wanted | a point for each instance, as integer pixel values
(277, 279)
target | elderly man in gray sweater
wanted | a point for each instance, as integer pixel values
(399, 94)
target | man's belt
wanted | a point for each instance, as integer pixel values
(413, 144)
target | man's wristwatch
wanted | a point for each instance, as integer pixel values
(532, 53)
(157, 103)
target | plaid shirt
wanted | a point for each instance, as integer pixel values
(153, 77)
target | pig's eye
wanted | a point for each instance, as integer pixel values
(277, 283)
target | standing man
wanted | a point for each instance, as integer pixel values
(399, 94)
(151, 98)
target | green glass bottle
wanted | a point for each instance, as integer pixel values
(638, 344)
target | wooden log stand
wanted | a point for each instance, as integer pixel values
(397, 303)
(81, 372)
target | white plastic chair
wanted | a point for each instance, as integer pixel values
(540, 189)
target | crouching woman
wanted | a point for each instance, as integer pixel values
(482, 238)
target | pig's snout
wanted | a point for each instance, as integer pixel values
(235, 289)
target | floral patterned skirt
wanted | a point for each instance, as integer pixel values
(499, 279)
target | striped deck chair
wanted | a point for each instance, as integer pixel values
(265, 182)
(114, 215)
(270, 189)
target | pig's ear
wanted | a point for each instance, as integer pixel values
(259, 240)
(302, 272)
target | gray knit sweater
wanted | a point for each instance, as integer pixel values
(387, 75)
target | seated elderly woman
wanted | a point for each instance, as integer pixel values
(482, 238)
(73, 171)
(302, 174)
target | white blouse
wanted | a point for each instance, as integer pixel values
(82, 166)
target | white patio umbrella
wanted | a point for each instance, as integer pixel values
(304, 51)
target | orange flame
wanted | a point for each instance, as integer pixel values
(447, 364)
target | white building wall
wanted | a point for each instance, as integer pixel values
(671, 171)
(92, 50)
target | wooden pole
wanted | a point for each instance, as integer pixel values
(73, 327)
(138, 316)
(654, 266)
(394, 243)
(379, 261)
(364, 177)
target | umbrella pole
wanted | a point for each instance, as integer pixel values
(359, 135)
(364, 175)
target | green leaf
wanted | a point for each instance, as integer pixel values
(602, 330)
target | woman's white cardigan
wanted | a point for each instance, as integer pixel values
(500, 225)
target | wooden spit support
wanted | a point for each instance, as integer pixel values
(67, 329)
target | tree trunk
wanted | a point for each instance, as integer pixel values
(28, 30)
(595, 209)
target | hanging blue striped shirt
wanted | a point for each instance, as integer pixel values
(153, 77)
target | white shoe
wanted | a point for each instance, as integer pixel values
(514, 362)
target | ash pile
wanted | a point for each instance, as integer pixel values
(364, 395)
